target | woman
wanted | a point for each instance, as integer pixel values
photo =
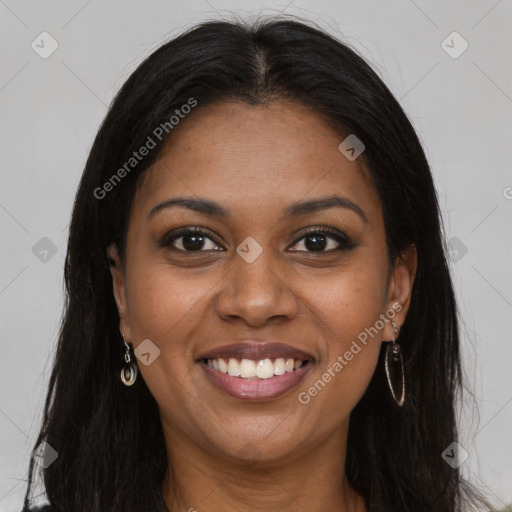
(259, 309)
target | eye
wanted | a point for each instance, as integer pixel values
(194, 239)
(316, 240)
(190, 239)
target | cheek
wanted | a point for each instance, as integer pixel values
(166, 310)
(164, 301)
(350, 309)
(353, 299)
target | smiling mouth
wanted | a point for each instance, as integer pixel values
(255, 369)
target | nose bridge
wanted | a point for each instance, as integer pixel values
(255, 290)
(255, 270)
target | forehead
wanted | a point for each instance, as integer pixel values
(251, 157)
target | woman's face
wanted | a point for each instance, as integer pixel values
(254, 277)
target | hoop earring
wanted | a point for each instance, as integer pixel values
(394, 366)
(129, 371)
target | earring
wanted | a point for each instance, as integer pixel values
(394, 365)
(129, 370)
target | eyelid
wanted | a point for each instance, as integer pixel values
(172, 236)
(333, 232)
(341, 238)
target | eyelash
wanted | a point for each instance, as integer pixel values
(344, 242)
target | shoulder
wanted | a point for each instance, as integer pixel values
(38, 508)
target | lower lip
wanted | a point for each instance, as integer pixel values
(256, 389)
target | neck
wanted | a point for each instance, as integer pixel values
(310, 479)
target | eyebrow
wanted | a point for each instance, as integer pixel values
(211, 208)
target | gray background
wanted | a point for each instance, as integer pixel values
(51, 109)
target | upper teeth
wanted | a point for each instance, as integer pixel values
(247, 368)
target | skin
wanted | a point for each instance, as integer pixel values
(278, 455)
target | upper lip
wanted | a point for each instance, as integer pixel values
(256, 350)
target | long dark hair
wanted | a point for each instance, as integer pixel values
(108, 437)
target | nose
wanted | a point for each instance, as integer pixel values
(257, 292)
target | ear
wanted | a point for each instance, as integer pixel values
(119, 288)
(400, 289)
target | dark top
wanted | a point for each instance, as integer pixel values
(38, 508)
